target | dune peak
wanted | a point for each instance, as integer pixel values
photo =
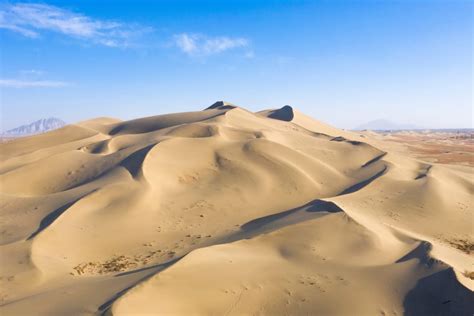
(221, 105)
(286, 113)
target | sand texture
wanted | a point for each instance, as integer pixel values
(229, 212)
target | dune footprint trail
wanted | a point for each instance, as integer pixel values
(228, 212)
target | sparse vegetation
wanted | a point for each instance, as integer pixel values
(463, 245)
(120, 263)
(469, 274)
(115, 264)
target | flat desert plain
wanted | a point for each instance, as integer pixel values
(229, 212)
(439, 146)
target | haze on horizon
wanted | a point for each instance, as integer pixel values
(345, 63)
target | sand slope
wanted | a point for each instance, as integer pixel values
(228, 212)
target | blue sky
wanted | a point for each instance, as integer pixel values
(342, 62)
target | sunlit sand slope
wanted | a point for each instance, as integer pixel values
(228, 212)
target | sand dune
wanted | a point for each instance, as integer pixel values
(228, 212)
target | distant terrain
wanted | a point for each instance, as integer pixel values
(446, 146)
(36, 127)
(384, 125)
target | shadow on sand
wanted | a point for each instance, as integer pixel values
(439, 294)
(362, 184)
(51, 217)
(290, 216)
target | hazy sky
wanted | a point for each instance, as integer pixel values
(343, 62)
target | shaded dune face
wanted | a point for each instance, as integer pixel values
(228, 211)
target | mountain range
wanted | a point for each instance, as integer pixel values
(36, 127)
(383, 124)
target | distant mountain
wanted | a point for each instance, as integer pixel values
(37, 127)
(383, 124)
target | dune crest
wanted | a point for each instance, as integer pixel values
(225, 211)
(286, 113)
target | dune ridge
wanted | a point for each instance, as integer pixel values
(225, 211)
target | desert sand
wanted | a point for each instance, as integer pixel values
(229, 212)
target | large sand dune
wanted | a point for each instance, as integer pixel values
(228, 212)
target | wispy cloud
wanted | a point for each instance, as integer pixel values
(30, 19)
(201, 45)
(15, 83)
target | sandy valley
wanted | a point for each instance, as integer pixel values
(228, 212)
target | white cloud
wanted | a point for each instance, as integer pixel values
(30, 19)
(15, 83)
(201, 45)
(187, 43)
